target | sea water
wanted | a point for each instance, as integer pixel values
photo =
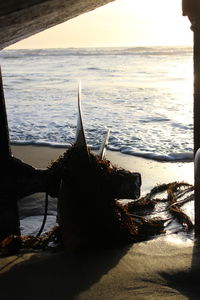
(143, 95)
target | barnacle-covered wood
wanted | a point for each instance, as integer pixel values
(20, 19)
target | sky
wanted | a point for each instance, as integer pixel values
(117, 24)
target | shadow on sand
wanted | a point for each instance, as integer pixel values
(58, 276)
(187, 280)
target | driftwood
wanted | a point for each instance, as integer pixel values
(78, 172)
(20, 180)
(17, 178)
(87, 208)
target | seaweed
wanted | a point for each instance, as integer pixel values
(94, 217)
(124, 222)
(14, 243)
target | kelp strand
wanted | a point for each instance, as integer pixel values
(135, 221)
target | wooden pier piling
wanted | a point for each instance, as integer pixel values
(191, 8)
(4, 133)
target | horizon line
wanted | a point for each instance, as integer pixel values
(95, 47)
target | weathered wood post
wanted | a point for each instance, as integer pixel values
(18, 179)
(4, 139)
(191, 8)
(9, 217)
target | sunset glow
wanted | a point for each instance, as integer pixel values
(120, 23)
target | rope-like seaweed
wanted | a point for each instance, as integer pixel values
(134, 220)
(45, 215)
(175, 191)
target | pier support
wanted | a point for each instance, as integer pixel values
(17, 178)
(4, 139)
(191, 8)
(9, 218)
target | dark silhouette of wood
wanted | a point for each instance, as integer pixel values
(191, 8)
(17, 178)
(20, 19)
(197, 124)
(4, 133)
(20, 180)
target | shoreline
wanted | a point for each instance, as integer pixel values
(152, 172)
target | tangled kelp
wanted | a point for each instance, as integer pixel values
(87, 208)
(15, 243)
(135, 220)
(177, 194)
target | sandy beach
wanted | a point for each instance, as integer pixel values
(166, 267)
(152, 172)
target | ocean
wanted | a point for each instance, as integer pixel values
(142, 94)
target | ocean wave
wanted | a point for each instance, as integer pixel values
(31, 224)
(154, 119)
(52, 52)
(45, 144)
(170, 157)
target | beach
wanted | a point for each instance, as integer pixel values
(152, 172)
(166, 267)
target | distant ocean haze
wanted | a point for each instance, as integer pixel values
(143, 94)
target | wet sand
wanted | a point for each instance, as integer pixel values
(152, 172)
(167, 267)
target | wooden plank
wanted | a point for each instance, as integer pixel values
(20, 19)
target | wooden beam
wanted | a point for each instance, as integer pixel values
(20, 19)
